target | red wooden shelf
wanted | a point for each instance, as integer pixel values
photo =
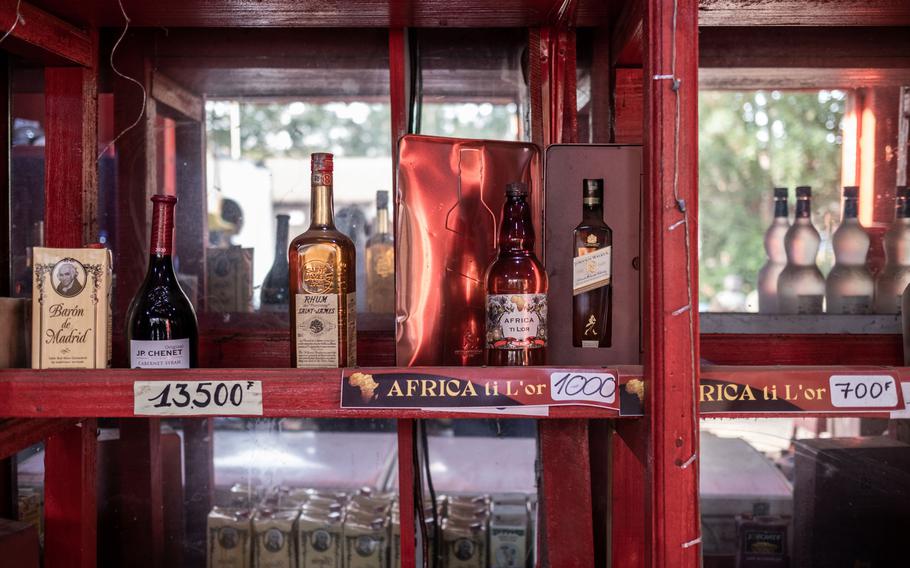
(315, 393)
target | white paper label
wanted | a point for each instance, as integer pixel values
(352, 330)
(591, 270)
(863, 391)
(599, 388)
(516, 321)
(317, 330)
(167, 354)
(197, 398)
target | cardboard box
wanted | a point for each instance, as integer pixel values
(229, 538)
(71, 308)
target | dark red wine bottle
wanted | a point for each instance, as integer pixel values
(162, 331)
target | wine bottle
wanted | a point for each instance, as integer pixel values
(162, 331)
(516, 286)
(776, 254)
(801, 286)
(592, 272)
(896, 275)
(381, 261)
(322, 286)
(849, 287)
(274, 293)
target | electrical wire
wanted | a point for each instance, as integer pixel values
(432, 491)
(15, 23)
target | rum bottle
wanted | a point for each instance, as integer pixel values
(381, 261)
(592, 271)
(801, 286)
(516, 286)
(896, 275)
(322, 284)
(776, 254)
(274, 293)
(850, 287)
(161, 326)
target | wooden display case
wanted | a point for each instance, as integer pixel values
(620, 492)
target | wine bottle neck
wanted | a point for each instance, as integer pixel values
(162, 242)
(902, 208)
(592, 209)
(382, 222)
(780, 208)
(281, 239)
(322, 214)
(850, 208)
(517, 232)
(803, 208)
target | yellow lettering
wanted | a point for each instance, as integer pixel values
(729, 392)
(451, 388)
(707, 393)
(412, 386)
(469, 389)
(395, 390)
(747, 393)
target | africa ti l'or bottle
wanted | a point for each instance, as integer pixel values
(322, 282)
(895, 276)
(801, 286)
(516, 285)
(161, 329)
(776, 252)
(849, 287)
(592, 272)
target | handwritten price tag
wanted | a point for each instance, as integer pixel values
(197, 398)
(863, 391)
(590, 388)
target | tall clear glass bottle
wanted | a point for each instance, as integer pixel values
(516, 286)
(323, 305)
(274, 293)
(380, 263)
(850, 287)
(801, 286)
(592, 272)
(776, 254)
(894, 278)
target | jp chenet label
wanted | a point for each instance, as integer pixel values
(516, 321)
(591, 270)
(71, 327)
(319, 324)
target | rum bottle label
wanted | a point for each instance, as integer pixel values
(591, 270)
(317, 330)
(516, 321)
(168, 354)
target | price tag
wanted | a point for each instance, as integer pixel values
(863, 391)
(197, 398)
(596, 388)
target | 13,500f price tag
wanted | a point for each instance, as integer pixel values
(863, 391)
(197, 398)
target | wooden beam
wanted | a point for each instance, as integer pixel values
(751, 78)
(43, 38)
(199, 484)
(801, 349)
(802, 13)
(670, 306)
(406, 490)
(177, 98)
(18, 434)
(70, 513)
(625, 43)
(139, 483)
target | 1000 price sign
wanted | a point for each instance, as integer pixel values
(197, 398)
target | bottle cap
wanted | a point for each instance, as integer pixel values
(903, 191)
(382, 199)
(804, 191)
(781, 192)
(851, 192)
(283, 216)
(321, 162)
(157, 198)
(593, 187)
(517, 189)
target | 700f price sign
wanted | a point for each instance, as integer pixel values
(197, 398)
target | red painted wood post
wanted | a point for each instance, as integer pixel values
(71, 198)
(406, 432)
(139, 486)
(70, 529)
(627, 493)
(671, 280)
(199, 484)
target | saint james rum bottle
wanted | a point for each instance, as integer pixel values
(776, 253)
(849, 287)
(322, 283)
(516, 286)
(896, 275)
(592, 272)
(161, 326)
(381, 261)
(274, 293)
(801, 286)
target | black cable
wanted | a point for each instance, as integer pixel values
(415, 96)
(418, 496)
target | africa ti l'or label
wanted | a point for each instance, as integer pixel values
(516, 321)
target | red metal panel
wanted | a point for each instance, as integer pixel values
(69, 497)
(802, 349)
(671, 270)
(628, 500)
(406, 494)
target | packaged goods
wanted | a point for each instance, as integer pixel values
(319, 536)
(464, 545)
(366, 541)
(229, 538)
(273, 538)
(509, 536)
(71, 309)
